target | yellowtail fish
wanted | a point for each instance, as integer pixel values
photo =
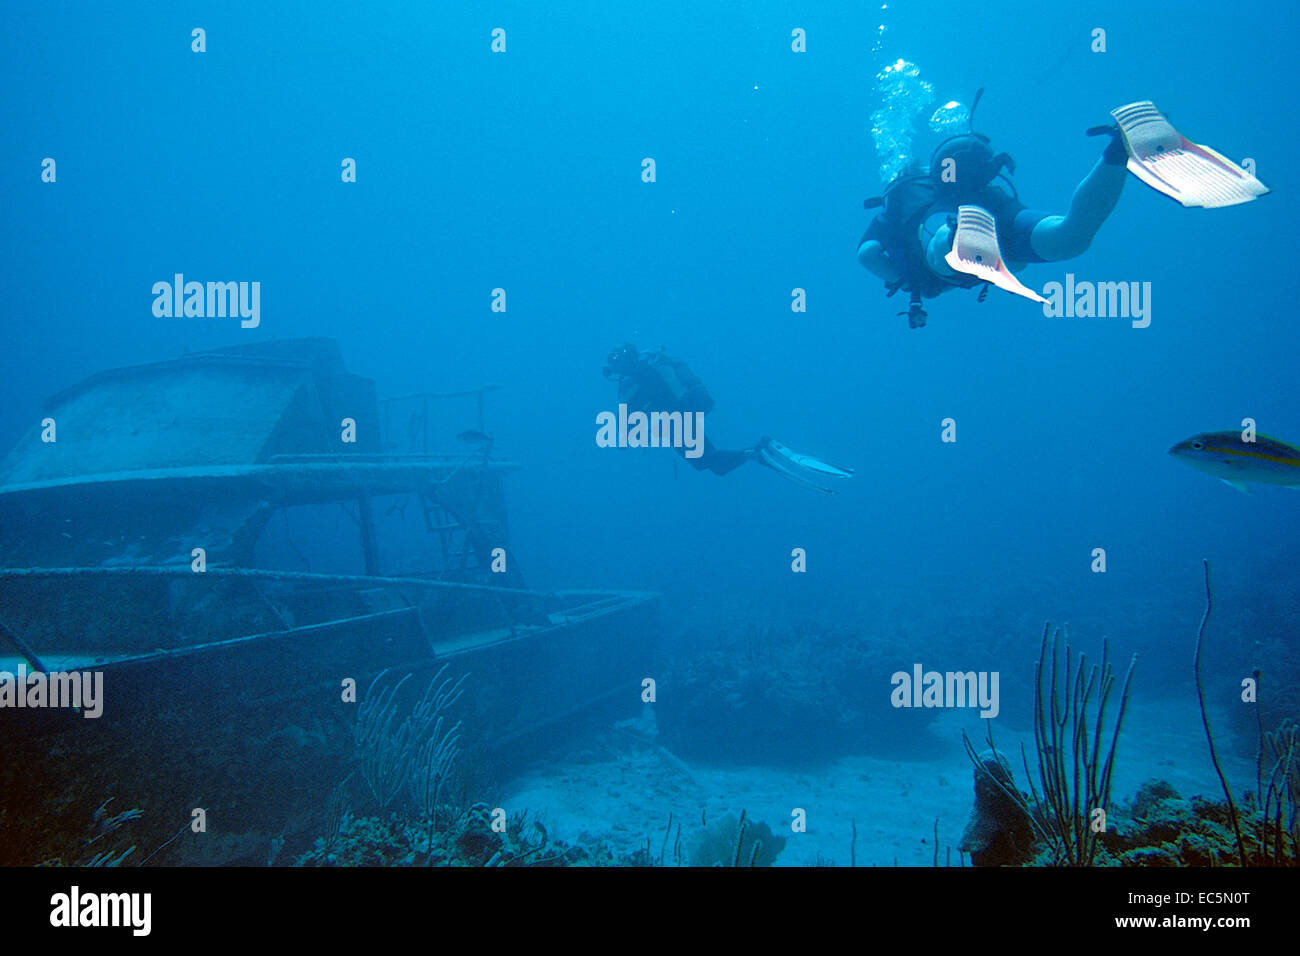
(1227, 457)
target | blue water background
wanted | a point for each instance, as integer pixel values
(522, 171)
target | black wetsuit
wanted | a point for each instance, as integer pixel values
(661, 383)
(916, 198)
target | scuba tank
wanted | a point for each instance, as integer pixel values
(685, 387)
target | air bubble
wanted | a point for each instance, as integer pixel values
(904, 96)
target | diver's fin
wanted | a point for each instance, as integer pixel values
(1163, 159)
(807, 461)
(975, 252)
(1239, 485)
(801, 469)
(774, 462)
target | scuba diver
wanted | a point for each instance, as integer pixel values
(653, 382)
(960, 224)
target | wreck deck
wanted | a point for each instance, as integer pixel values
(232, 539)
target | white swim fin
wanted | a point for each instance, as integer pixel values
(798, 468)
(1166, 161)
(808, 461)
(975, 252)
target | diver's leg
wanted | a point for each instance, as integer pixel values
(723, 462)
(872, 255)
(716, 460)
(1063, 237)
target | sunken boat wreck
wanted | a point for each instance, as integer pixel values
(228, 540)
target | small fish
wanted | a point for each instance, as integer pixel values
(1235, 462)
(473, 435)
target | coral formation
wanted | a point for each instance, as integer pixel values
(1158, 827)
(732, 842)
(419, 751)
(1161, 828)
(467, 840)
(1073, 771)
(1000, 832)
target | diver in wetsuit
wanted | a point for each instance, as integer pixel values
(960, 224)
(654, 381)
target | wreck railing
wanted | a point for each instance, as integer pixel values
(133, 612)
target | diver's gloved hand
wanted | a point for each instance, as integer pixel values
(1116, 153)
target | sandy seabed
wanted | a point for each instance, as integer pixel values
(627, 798)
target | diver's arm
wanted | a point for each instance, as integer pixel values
(1064, 237)
(643, 392)
(872, 255)
(630, 393)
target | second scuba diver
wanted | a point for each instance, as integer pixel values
(653, 381)
(960, 224)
